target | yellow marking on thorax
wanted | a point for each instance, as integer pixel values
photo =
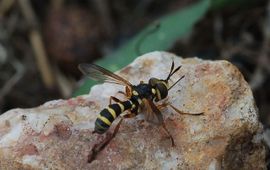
(105, 120)
(135, 93)
(133, 106)
(158, 94)
(112, 112)
(153, 91)
(139, 101)
(121, 106)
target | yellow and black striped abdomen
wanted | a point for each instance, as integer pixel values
(109, 114)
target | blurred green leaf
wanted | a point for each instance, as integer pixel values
(218, 4)
(171, 28)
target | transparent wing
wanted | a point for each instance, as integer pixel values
(101, 74)
(153, 114)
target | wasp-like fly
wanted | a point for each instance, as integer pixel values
(138, 97)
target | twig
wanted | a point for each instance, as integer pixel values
(42, 61)
(5, 5)
(13, 80)
(104, 13)
(228, 50)
(258, 77)
(65, 85)
(55, 4)
(37, 44)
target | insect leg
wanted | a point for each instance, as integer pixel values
(165, 104)
(112, 98)
(128, 91)
(99, 147)
(130, 115)
(168, 133)
(123, 93)
(162, 106)
(157, 112)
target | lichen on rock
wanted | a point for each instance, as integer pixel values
(58, 134)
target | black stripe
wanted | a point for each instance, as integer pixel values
(116, 108)
(107, 114)
(135, 99)
(99, 129)
(100, 126)
(127, 105)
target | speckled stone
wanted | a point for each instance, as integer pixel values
(58, 134)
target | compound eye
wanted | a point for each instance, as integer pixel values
(163, 91)
(153, 81)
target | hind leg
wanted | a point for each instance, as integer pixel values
(109, 136)
(112, 98)
(168, 133)
(100, 146)
(128, 92)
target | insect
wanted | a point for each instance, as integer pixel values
(138, 97)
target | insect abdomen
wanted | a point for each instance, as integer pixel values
(109, 114)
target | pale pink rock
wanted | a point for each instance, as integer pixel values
(57, 135)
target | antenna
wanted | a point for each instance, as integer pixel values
(177, 81)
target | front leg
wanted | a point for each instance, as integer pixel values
(165, 104)
(153, 113)
(187, 113)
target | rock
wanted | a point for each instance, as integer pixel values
(58, 134)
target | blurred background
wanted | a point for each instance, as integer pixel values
(42, 42)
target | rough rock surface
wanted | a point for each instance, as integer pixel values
(57, 135)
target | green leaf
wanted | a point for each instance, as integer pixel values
(171, 28)
(219, 4)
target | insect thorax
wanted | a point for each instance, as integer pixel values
(142, 90)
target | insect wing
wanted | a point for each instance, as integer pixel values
(153, 114)
(101, 74)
